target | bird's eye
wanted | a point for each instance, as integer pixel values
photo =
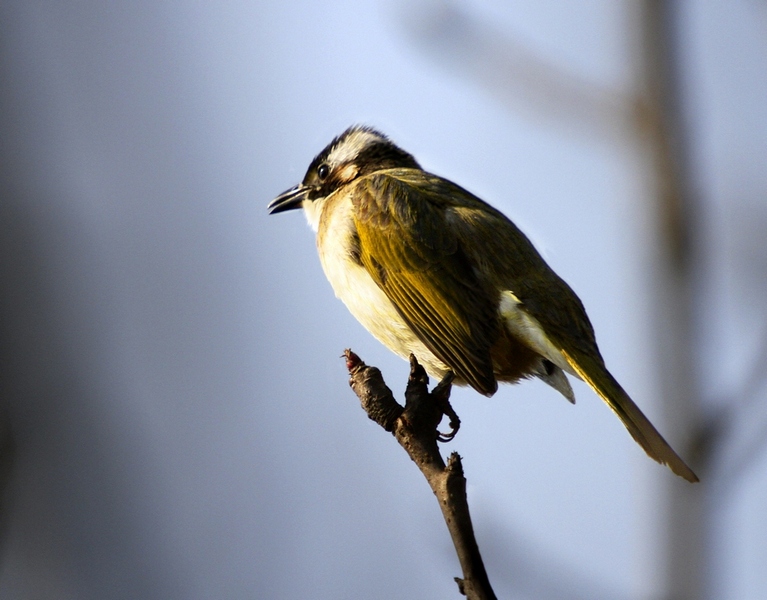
(323, 171)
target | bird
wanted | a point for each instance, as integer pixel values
(430, 269)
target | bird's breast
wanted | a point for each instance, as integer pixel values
(337, 246)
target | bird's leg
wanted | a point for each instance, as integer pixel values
(441, 394)
(424, 410)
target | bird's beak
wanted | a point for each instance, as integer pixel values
(289, 199)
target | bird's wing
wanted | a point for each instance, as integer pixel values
(552, 316)
(412, 253)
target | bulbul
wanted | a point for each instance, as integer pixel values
(430, 269)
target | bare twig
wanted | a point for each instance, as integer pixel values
(415, 427)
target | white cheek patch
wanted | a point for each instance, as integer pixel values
(347, 173)
(527, 328)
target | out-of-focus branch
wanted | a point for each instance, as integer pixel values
(748, 394)
(415, 427)
(744, 457)
(516, 75)
(677, 264)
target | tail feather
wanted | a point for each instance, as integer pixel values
(639, 426)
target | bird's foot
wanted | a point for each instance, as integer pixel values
(441, 394)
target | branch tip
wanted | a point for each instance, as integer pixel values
(454, 464)
(353, 361)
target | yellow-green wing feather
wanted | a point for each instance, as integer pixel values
(416, 259)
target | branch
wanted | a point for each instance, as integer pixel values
(415, 427)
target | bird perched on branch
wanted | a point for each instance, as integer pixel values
(432, 270)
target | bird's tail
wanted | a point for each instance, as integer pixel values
(593, 372)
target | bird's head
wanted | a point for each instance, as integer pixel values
(357, 152)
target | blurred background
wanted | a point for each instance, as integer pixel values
(175, 419)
